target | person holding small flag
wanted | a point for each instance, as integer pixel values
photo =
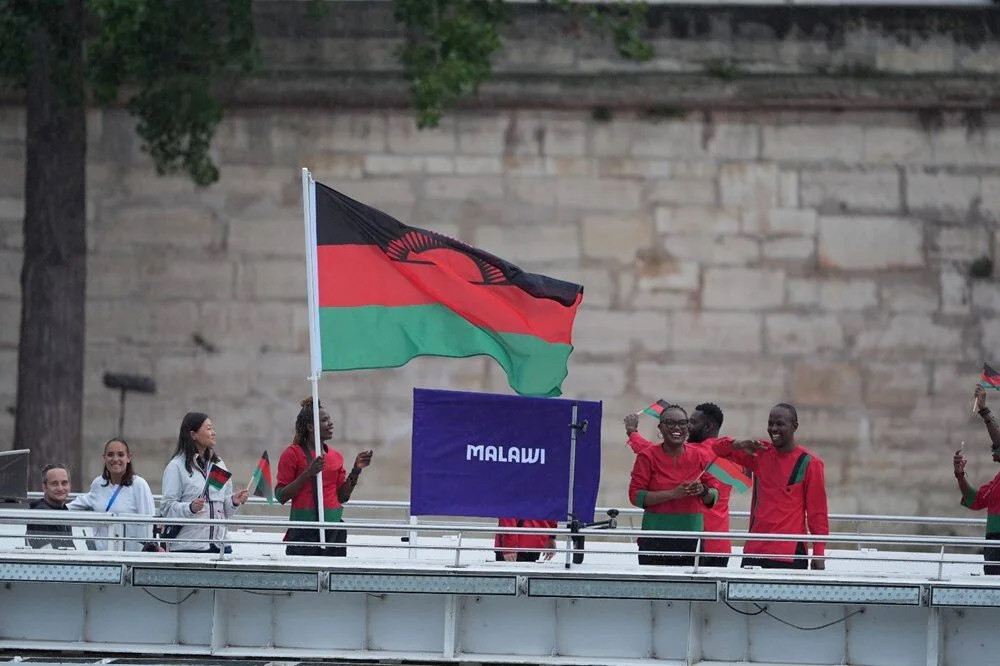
(986, 496)
(120, 491)
(670, 483)
(297, 469)
(196, 483)
(703, 431)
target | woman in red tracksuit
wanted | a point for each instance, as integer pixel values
(506, 543)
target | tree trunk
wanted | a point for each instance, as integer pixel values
(53, 278)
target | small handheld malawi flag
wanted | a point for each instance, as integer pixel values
(216, 478)
(388, 293)
(656, 409)
(731, 474)
(260, 482)
(990, 378)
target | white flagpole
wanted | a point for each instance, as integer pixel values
(315, 354)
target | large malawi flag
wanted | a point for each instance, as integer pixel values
(389, 292)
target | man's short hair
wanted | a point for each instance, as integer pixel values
(45, 470)
(712, 411)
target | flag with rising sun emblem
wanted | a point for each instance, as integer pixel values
(387, 292)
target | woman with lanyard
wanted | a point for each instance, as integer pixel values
(119, 491)
(187, 493)
(297, 469)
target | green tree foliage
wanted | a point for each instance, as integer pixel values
(449, 44)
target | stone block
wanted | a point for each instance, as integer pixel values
(790, 222)
(734, 141)
(749, 185)
(464, 187)
(196, 376)
(541, 136)
(590, 380)
(618, 332)
(717, 332)
(868, 191)
(539, 191)
(683, 191)
(743, 289)
(278, 234)
(956, 291)
(818, 383)
(790, 249)
(960, 244)
(404, 136)
(377, 192)
(600, 284)
(802, 292)
(616, 238)
(522, 244)
(611, 139)
(478, 166)
(957, 146)
(675, 138)
(165, 323)
(625, 167)
(271, 279)
(172, 277)
(952, 380)
(990, 192)
(657, 272)
(12, 209)
(727, 383)
(397, 165)
(8, 377)
(325, 165)
(264, 326)
(11, 178)
(912, 336)
(615, 195)
(841, 143)
(899, 385)
(898, 145)
(479, 135)
(803, 334)
(986, 295)
(870, 243)
(696, 220)
(525, 165)
(571, 167)
(180, 226)
(991, 332)
(948, 196)
(909, 296)
(843, 295)
(788, 189)
(711, 250)
(10, 274)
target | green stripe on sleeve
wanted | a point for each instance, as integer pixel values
(969, 498)
(993, 523)
(640, 499)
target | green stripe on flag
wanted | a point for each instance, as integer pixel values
(376, 336)
(725, 477)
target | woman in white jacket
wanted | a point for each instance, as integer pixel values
(184, 482)
(119, 491)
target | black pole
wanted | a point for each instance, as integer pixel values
(121, 414)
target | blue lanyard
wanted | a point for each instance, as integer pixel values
(114, 496)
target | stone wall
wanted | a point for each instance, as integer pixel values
(742, 256)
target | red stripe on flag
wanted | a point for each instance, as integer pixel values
(990, 377)
(359, 275)
(219, 475)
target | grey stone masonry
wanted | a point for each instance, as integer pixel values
(746, 256)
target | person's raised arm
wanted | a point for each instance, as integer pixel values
(743, 452)
(817, 515)
(992, 428)
(972, 498)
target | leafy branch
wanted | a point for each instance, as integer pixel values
(450, 43)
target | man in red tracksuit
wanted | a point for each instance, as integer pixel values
(789, 493)
(703, 431)
(505, 542)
